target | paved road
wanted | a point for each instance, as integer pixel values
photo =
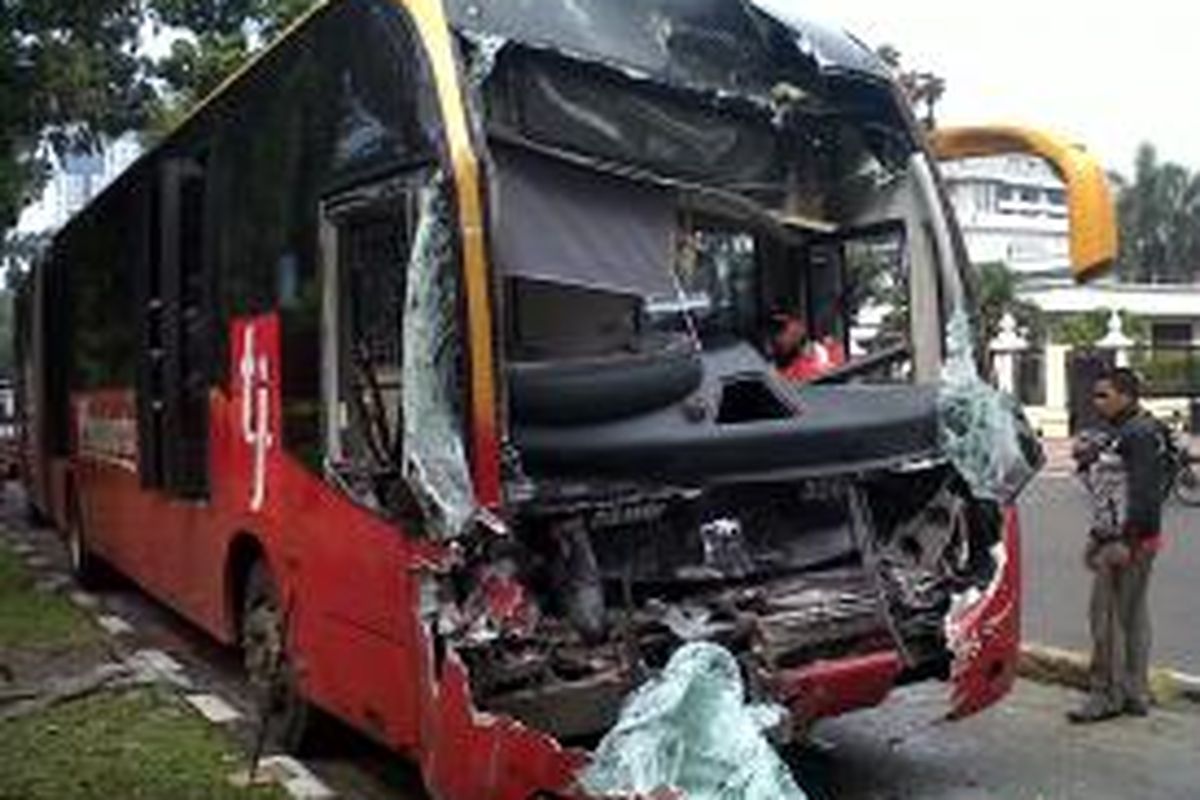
(1022, 750)
(1056, 584)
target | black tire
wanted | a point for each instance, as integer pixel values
(34, 516)
(1187, 485)
(596, 389)
(270, 672)
(85, 566)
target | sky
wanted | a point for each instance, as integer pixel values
(1109, 75)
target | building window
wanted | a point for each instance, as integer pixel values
(1171, 334)
(1004, 193)
(1057, 197)
(1030, 195)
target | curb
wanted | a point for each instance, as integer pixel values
(1056, 665)
(158, 667)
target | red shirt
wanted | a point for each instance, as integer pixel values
(1149, 544)
(814, 360)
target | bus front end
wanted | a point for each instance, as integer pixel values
(742, 394)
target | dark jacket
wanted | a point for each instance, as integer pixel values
(1139, 441)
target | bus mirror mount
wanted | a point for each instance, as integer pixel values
(1093, 222)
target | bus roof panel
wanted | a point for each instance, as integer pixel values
(723, 45)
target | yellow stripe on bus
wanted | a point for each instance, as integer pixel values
(434, 32)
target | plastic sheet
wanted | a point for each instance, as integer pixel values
(982, 430)
(689, 731)
(435, 460)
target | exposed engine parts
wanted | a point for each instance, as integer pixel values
(564, 617)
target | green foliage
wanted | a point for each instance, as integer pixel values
(1159, 216)
(224, 34)
(1087, 328)
(997, 287)
(1079, 330)
(1168, 372)
(923, 89)
(33, 621)
(7, 360)
(141, 744)
(69, 75)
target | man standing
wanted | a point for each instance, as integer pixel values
(1121, 551)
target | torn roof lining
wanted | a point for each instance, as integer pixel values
(733, 47)
(859, 96)
(690, 196)
(859, 109)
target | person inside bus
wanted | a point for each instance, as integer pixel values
(799, 356)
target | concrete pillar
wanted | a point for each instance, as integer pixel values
(1056, 376)
(1004, 349)
(1005, 363)
(1053, 420)
(1116, 340)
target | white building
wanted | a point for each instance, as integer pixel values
(76, 179)
(1013, 209)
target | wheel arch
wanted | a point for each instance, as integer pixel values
(245, 550)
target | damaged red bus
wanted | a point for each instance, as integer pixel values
(429, 358)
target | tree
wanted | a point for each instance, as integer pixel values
(7, 329)
(220, 35)
(69, 76)
(18, 252)
(1159, 217)
(998, 296)
(1084, 329)
(923, 89)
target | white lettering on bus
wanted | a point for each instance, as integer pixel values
(256, 410)
(107, 437)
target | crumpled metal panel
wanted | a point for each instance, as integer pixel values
(435, 459)
(832, 49)
(983, 631)
(724, 45)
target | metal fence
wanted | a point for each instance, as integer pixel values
(1168, 370)
(1030, 377)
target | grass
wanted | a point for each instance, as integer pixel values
(33, 620)
(128, 745)
(131, 746)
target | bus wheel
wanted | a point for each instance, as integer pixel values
(84, 565)
(269, 667)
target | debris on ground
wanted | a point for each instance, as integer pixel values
(689, 733)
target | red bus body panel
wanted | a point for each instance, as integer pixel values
(353, 583)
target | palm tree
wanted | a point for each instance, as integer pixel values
(997, 292)
(1159, 213)
(922, 88)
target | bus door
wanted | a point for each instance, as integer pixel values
(174, 375)
(358, 573)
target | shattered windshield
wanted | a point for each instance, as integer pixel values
(837, 297)
(626, 209)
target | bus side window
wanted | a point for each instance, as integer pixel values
(177, 321)
(367, 236)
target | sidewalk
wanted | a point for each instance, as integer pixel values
(1058, 457)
